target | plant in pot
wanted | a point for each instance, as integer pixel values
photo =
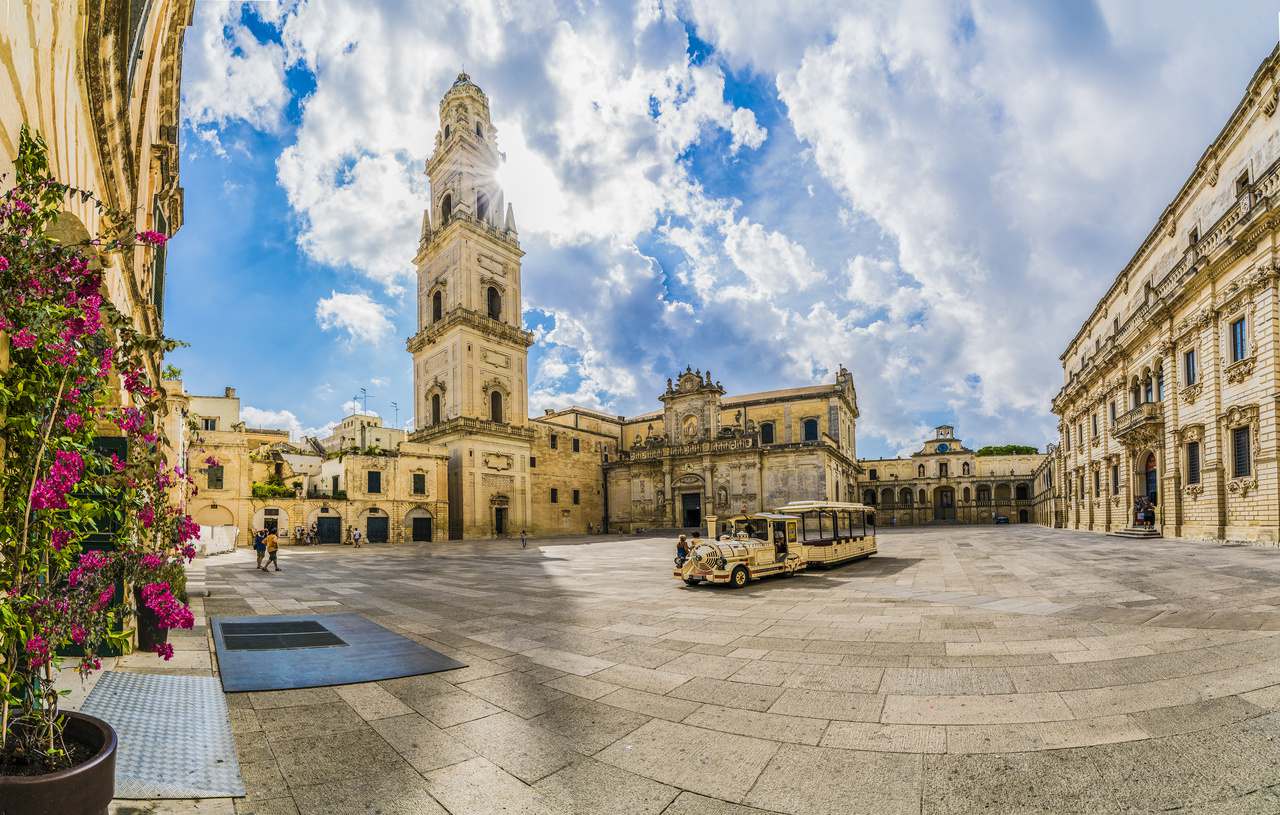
(78, 517)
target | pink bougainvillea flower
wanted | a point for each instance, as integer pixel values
(152, 238)
(78, 634)
(212, 461)
(131, 420)
(188, 529)
(4, 263)
(118, 464)
(73, 422)
(165, 650)
(59, 538)
(152, 561)
(23, 339)
(147, 515)
(38, 649)
(189, 552)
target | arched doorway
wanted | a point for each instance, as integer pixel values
(944, 504)
(419, 522)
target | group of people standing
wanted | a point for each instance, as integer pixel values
(266, 544)
(1144, 511)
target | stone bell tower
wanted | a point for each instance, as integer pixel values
(469, 354)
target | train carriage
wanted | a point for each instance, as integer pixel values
(833, 532)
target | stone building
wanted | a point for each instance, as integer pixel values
(705, 454)
(253, 478)
(1050, 505)
(99, 82)
(946, 482)
(1169, 386)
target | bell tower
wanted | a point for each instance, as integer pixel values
(469, 353)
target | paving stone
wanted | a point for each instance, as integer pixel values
(637, 678)
(592, 786)
(514, 692)
(773, 726)
(840, 782)
(478, 787)
(318, 759)
(517, 746)
(688, 803)
(371, 701)
(728, 694)
(887, 738)
(703, 761)
(817, 704)
(979, 709)
(716, 667)
(589, 726)
(267, 700)
(397, 793)
(425, 746)
(650, 704)
(284, 723)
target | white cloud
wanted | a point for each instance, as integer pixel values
(746, 132)
(364, 319)
(283, 420)
(228, 74)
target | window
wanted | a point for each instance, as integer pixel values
(482, 207)
(1148, 391)
(1193, 462)
(577, 445)
(435, 408)
(942, 469)
(479, 129)
(495, 406)
(874, 475)
(1160, 384)
(1242, 184)
(208, 424)
(555, 441)
(1113, 411)
(437, 307)
(495, 303)
(1094, 418)
(577, 497)
(555, 495)
(1115, 479)
(1082, 492)
(1189, 367)
(447, 131)
(1238, 348)
(446, 203)
(214, 475)
(1097, 483)
(810, 429)
(1080, 434)
(533, 462)
(766, 434)
(374, 481)
(1241, 465)
(966, 495)
(1193, 237)
(419, 484)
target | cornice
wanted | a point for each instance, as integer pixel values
(458, 317)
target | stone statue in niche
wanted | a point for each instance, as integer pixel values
(660, 499)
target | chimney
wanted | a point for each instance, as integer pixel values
(230, 392)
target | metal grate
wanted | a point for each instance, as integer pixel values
(278, 636)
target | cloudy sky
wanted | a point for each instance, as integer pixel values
(933, 194)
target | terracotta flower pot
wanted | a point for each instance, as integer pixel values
(85, 789)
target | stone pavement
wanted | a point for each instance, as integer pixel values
(988, 669)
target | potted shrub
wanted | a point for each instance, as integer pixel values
(77, 518)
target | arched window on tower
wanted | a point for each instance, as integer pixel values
(495, 406)
(495, 303)
(435, 408)
(446, 208)
(447, 130)
(810, 429)
(479, 129)
(482, 207)
(766, 432)
(437, 307)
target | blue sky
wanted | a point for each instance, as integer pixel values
(932, 194)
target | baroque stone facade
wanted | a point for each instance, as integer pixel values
(946, 482)
(1169, 386)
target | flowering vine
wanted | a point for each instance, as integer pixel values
(88, 500)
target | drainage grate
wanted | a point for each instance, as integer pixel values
(278, 636)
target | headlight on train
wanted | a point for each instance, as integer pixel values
(721, 563)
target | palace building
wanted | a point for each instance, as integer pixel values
(946, 482)
(1169, 387)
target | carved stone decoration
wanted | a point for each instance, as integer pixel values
(1240, 371)
(1269, 104)
(1242, 486)
(1190, 433)
(498, 461)
(1193, 491)
(1191, 393)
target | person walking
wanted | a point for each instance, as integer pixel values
(273, 545)
(259, 547)
(524, 540)
(355, 537)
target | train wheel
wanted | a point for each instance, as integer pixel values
(739, 577)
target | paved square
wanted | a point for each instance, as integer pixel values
(993, 669)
